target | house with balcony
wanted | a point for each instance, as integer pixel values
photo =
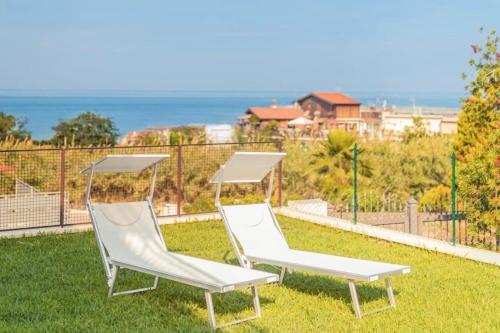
(332, 110)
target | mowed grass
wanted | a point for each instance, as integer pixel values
(57, 284)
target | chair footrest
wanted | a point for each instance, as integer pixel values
(132, 291)
(367, 313)
(234, 322)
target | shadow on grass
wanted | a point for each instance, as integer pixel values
(231, 302)
(317, 284)
(177, 296)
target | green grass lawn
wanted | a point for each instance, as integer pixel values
(57, 284)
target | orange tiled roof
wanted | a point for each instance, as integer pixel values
(277, 113)
(333, 98)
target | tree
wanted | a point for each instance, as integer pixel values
(268, 131)
(418, 130)
(478, 139)
(86, 129)
(437, 199)
(150, 138)
(332, 166)
(11, 127)
(187, 135)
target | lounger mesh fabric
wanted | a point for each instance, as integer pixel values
(130, 237)
(255, 230)
(262, 241)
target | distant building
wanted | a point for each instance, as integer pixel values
(332, 110)
(318, 112)
(372, 122)
(219, 133)
(449, 125)
(394, 124)
(264, 115)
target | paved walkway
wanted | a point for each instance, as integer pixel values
(88, 226)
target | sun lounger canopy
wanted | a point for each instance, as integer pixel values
(125, 163)
(247, 167)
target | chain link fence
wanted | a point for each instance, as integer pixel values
(44, 187)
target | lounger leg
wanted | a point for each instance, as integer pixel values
(282, 274)
(114, 273)
(210, 308)
(256, 301)
(211, 312)
(255, 296)
(390, 292)
(155, 284)
(354, 298)
(112, 281)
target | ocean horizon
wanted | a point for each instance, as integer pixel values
(136, 110)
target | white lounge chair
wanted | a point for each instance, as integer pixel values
(256, 229)
(128, 236)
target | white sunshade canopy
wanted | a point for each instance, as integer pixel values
(126, 163)
(301, 121)
(247, 167)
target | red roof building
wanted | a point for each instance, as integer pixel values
(332, 98)
(326, 109)
(275, 113)
(332, 109)
(282, 115)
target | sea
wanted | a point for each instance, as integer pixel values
(139, 110)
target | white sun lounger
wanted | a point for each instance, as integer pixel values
(129, 236)
(256, 229)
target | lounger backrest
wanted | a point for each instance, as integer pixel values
(126, 229)
(254, 228)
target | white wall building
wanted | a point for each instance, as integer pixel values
(219, 133)
(397, 123)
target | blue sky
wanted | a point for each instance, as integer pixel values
(387, 46)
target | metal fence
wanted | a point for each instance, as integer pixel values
(54, 188)
(444, 219)
(404, 217)
(44, 187)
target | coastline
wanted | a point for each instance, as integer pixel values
(175, 108)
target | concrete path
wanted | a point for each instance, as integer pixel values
(88, 226)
